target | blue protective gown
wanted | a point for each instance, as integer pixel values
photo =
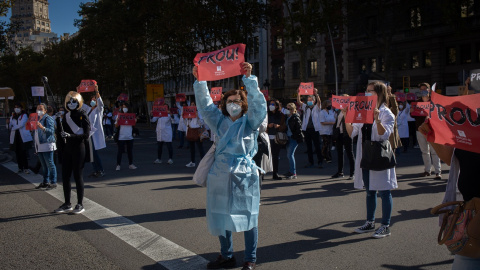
(233, 192)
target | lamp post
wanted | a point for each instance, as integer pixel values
(334, 60)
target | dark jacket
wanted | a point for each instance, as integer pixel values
(336, 130)
(65, 145)
(295, 125)
(277, 118)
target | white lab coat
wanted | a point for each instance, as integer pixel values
(20, 124)
(164, 128)
(402, 124)
(379, 180)
(266, 163)
(315, 116)
(182, 126)
(96, 118)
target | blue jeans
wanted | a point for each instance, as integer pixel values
(387, 201)
(251, 239)
(48, 167)
(465, 263)
(97, 162)
(291, 147)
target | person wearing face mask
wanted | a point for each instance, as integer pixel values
(20, 137)
(311, 126)
(429, 156)
(194, 123)
(402, 123)
(392, 104)
(73, 142)
(164, 135)
(276, 123)
(327, 119)
(125, 138)
(343, 143)
(233, 192)
(295, 136)
(107, 123)
(95, 115)
(45, 147)
(182, 128)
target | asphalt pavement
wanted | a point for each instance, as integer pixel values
(306, 223)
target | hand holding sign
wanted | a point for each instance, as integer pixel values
(189, 112)
(361, 109)
(306, 89)
(221, 64)
(180, 98)
(32, 122)
(87, 86)
(160, 111)
(126, 119)
(340, 102)
(216, 93)
(420, 109)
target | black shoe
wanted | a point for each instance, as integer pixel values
(309, 165)
(222, 263)
(42, 185)
(51, 186)
(276, 177)
(64, 208)
(287, 174)
(337, 175)
(248, 266)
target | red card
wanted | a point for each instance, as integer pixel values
(116, 111)
(420, 108)
(126, 119)
(32, 122)
(174, 110)
(411, 96)
(87, 86)
(159, 101)
(122, 97)
(189, 112)
(221, 64)
(360, 109)
(216, 93)
(455, 121)
(305, 89)
(180, 97)
(340, 102)
(400, 97)
(160, 111)
(361, 94)
(265, 93)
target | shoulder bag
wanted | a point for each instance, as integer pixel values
(201, 173)
(377, 156)
(193, 134)
(281, 138)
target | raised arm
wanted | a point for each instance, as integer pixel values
(210, 113)
(257, 105)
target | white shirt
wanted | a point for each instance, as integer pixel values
(315, 112)
(326, 116)
(44, 147)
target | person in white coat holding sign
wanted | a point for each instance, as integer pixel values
(374, 182)
(98, 136)
(20, 138)
(164, 135)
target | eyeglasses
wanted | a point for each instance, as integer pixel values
(370, 91)
(237, 101)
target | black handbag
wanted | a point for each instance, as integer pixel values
(377, 156)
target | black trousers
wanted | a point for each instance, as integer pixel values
(121, 150)
(412, 132)
(347, 144)
(275, 148)
(160, 148)
(313, 137)
(327, 147)
(192, 150)
(72, 163)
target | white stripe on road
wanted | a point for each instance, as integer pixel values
(158, 248)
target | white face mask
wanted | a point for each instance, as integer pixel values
(93, 103)
(234, 109)
(288, 112)
(125, 110)
(400, 107)
(271, 107)
(368, 94)
(40, 113)
(18, 110)
(62, 112)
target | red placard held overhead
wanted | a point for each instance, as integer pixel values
(265, 93)
(87, 86)
(420, 108)
(455, 121)
(400, 97)
(189, 112)
(180, 97)
(159, 101)
(216, 93)
(126, 119)
(160, 111)
(305, 89)
(360, 109)
(174, 110)
(32, 122)
(340, 102)
(411, 97)
(122, 97)
(221, 64)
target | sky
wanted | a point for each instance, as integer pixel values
(62, 15)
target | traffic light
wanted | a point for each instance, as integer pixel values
(406, 90)
(406, 84)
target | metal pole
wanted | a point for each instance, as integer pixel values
(334, 59)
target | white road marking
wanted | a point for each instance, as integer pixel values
(158, 248)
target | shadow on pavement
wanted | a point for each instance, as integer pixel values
(416, 267)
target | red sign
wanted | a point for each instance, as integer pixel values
(180, 97)
(361, 94)
(400, 97)
(122, 97)
(160, 111)
(455, 121)
(87, 86)
(340, 102)
(221, 64)
(174, 110)
(159, 101)
(32, 122)
(126, 119)
(420, 108)
(216, 93)
(265, 93)
(189, 112)
(411, 97)
(305, 89)
(360, 109)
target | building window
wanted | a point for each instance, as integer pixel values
(466, 54)
(296, 70)
(312, 68)
(466, 8)
(43, 23)
(373, 64)
(278, 42)
(403, 61)
(415, 61)
(427, 59)
(415, 17)
(451, 56)
(382, 64)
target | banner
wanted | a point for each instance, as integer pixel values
(173, 110)
(189, 112)
(340, 102)
(420, 108)
(361, 94)
(180, 98)
(475, 80)
(216, 93)
(160, 111)
(455, 121)
(38, 91)
(360, 109)
(411, 96)
(400, 97)
(305, 89)
(32, 122)
(122, 97)
(126, 119)
(159, 102)
(221, 64)
(87, 86)
(265, 93)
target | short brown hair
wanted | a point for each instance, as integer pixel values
(424, 84)
(243, 97)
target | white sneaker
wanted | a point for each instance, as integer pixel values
(132, 167)
(157, 161)
(118, 168)
(190, 165)
(170, 161)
